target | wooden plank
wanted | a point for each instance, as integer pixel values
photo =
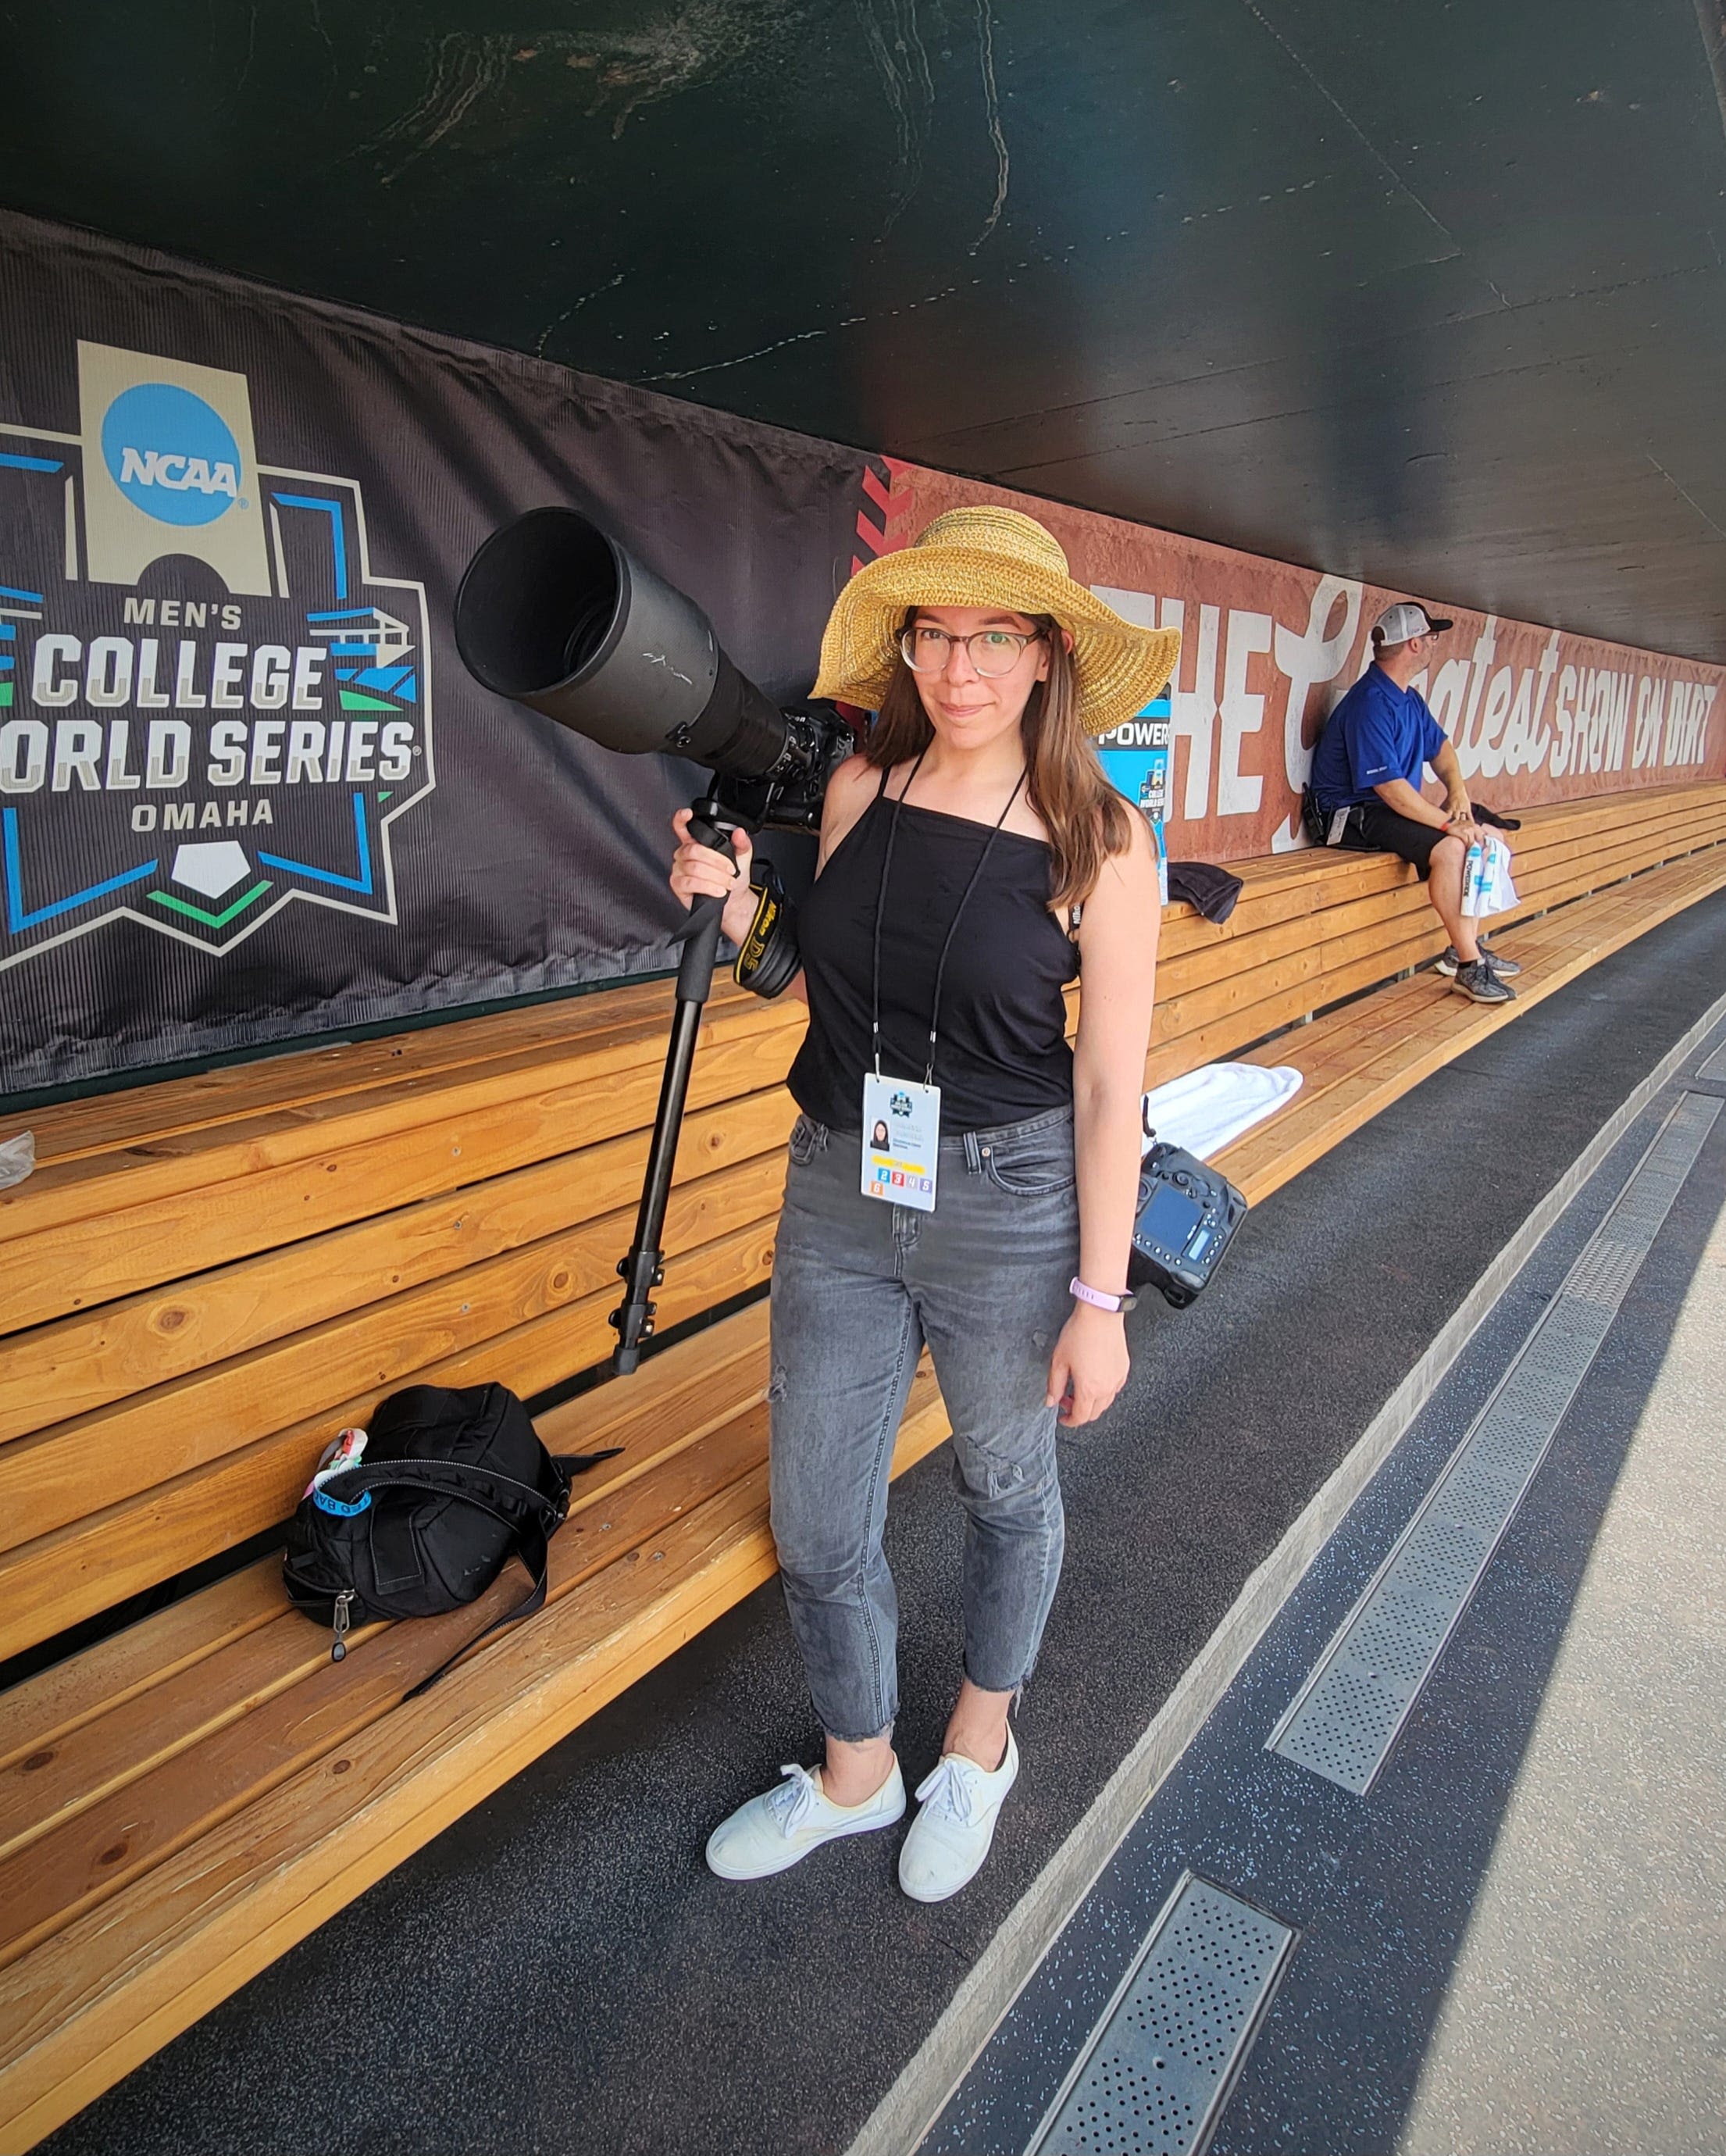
(1319, 972)
(89, 1769)
(675, 1411)
(1417, 1027)
(1298, 1047)
(73, 1189)
(1202, 969)
(45, 1708)
(390, 1055)
(99, 1996)
(1300, 993)
(1266, 902)
(111, 1454)
(60, 1370)
(702, 1387)
(1384, 914)
(127, 1788)
(110, 1122)
(677, 1396)
(1649, 842)
(1194, 991)
(1232, 1035)
(1283, 886)
(98, 1561)
(76, 1264)
(112, 1986)
(1581, 878)
(134, 1786)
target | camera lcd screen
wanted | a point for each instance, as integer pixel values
(1169, 1219)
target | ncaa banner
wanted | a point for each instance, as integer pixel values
(247, 790)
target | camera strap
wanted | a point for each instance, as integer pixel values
(901, 1124)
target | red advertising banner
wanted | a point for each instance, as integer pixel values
(1268, 649)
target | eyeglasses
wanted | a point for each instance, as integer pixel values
(992, 652)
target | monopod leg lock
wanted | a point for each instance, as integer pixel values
(633, 1317)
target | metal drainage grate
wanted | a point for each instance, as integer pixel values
(1343, 1721)
(1160, 2063)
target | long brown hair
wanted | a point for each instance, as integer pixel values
(1086, 819)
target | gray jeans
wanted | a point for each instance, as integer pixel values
(859, 1287)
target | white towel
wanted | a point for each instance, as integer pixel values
(1210, 1108)
(18, 1158)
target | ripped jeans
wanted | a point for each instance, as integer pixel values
(859, 1287)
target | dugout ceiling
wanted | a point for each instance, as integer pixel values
(1432, 294)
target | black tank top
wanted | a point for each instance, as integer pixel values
(1002, 1052)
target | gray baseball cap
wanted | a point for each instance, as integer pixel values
(1398, 622)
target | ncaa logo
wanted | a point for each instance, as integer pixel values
(211, 706)
(171, 455)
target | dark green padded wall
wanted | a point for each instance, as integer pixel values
(1433, 293)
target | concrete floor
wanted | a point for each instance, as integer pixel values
(1587, 2007)
(1514, 1942)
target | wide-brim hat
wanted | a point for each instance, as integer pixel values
(984, 557)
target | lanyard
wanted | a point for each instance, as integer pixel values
(941, 970)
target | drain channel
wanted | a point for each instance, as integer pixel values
(1715, 1066)
(1343, 1721)
(1160, 2063)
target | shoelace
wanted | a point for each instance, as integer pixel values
(948, 1793)
(795, 1799)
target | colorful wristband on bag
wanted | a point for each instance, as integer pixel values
(1118, 1304)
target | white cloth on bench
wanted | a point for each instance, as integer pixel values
(18, 1158)
(1210, 1107)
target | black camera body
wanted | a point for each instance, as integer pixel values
(1186, 1218)
(789, 797)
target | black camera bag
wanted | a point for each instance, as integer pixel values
(1186, 1218)
(452, 1485)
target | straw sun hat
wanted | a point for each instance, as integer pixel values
(991, 558)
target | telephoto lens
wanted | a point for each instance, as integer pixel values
(554, 613)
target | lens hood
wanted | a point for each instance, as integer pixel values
(554, 613)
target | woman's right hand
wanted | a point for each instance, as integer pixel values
(700, 872)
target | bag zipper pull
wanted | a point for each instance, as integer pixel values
(338, 1652)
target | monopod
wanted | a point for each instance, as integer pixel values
(554, 613)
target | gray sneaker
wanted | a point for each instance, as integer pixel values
(1507, 969)
(1482, 985)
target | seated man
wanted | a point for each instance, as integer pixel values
(1366, 787)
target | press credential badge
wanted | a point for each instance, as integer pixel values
(902, 1131)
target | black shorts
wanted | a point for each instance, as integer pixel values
(1374, 828)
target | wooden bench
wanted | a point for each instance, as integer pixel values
(206, 1277)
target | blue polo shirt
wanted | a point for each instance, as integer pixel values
(1377, 733)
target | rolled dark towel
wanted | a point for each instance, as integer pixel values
(1209, 890)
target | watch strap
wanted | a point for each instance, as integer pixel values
(1099, 1300)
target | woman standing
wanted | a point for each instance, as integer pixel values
(973, 857)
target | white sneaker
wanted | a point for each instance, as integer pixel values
(778, 1829)
(949, 1837)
